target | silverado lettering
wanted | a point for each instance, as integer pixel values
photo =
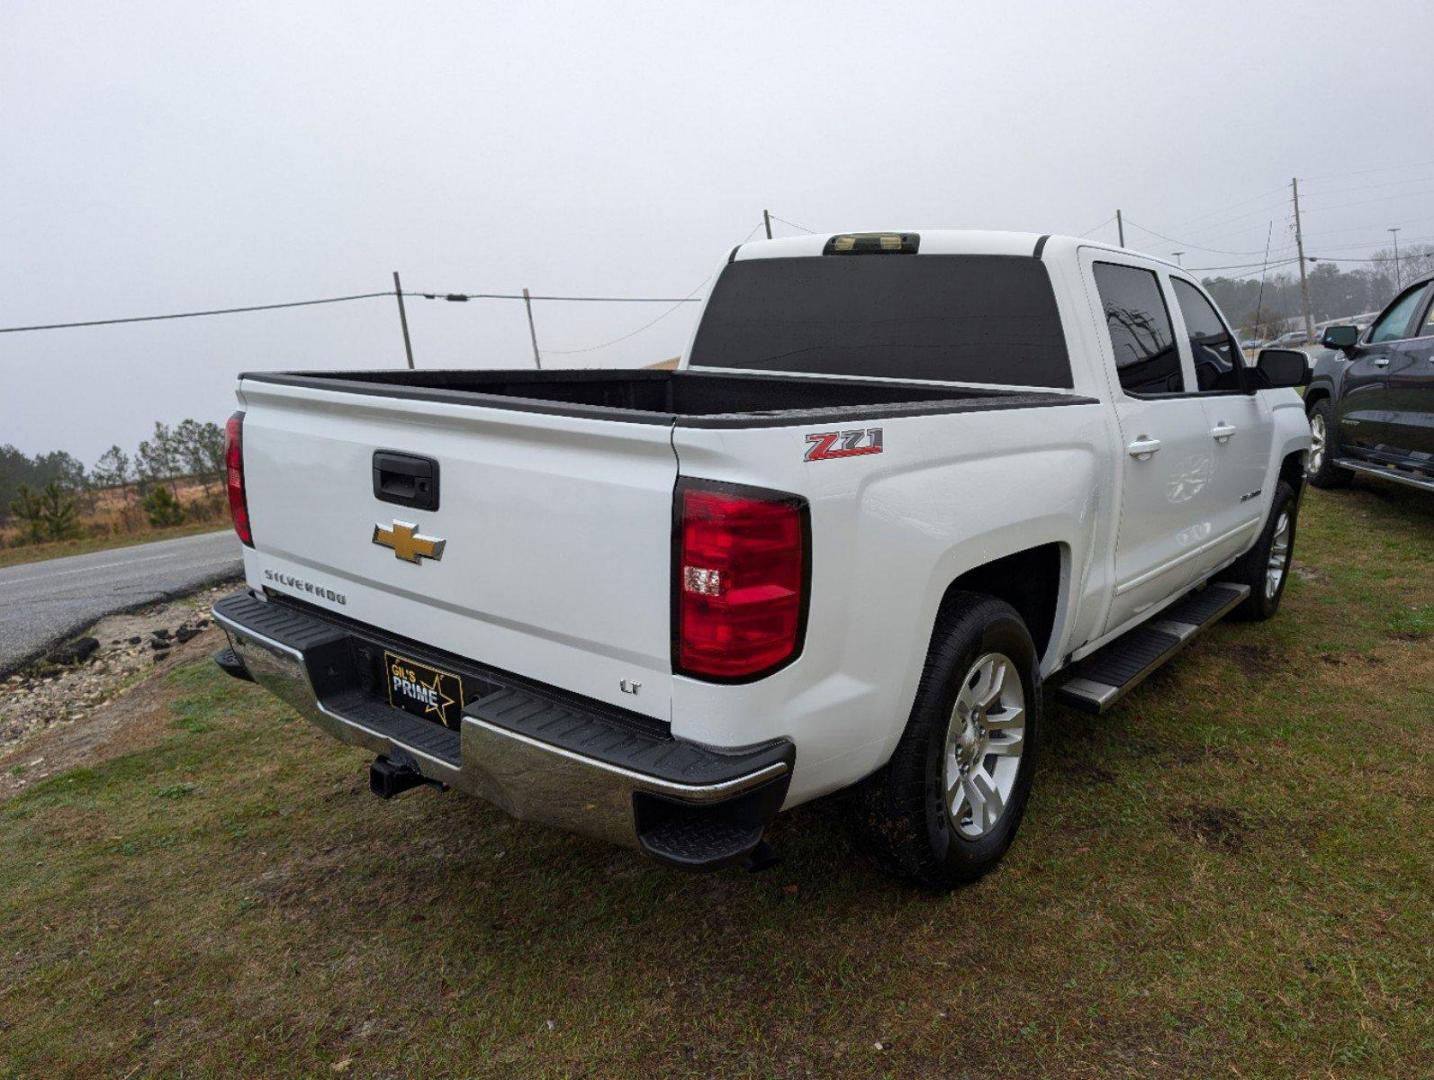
(300, 585)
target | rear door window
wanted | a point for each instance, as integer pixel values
(1217, 357)
(948, 318)
(1141, 335)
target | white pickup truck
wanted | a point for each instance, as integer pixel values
(900, 487)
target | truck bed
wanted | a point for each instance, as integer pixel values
(687, 398)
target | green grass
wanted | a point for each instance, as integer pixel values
(59, 549)
(1230, 875)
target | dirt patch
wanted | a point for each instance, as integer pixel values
(1216, 827)
(55, 717)
(1310, 574)
(1089, 772)
(1334, 659)
(1257, 658)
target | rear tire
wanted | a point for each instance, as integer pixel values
(1323, 473)
(946, 807)
(1266, 566)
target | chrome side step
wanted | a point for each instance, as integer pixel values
(1105, 676)
(1387, 472)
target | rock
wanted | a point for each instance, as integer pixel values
(162, 633)
(185, 633)
(159, 646)
(135, 640)
(73, 652)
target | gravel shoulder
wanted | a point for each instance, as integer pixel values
(45, 603)
(56, 716)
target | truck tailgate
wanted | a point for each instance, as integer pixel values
(557, 532)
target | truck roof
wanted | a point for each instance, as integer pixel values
(941, 240)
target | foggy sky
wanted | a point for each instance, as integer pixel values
(163, 157)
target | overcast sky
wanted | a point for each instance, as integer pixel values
(165, 157)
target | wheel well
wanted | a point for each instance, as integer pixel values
(1292, 470)
(1029, 581)
(1314, 396)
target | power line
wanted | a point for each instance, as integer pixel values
(1094, 228)
(195, 314)
(1187, 243)
(1380, 169)
(575, 299)
(690, 298)
(1378, 184)
(341, 300)
(1369, 202)
(1242, 266)
(793, 224)
(1198, 218)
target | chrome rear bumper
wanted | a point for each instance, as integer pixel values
(540, 758)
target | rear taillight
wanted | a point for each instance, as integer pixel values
(741, 580)
(234, 476)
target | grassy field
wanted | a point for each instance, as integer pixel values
(114, 518)
(58, 549)
(1229, 876)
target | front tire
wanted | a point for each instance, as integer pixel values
(1266, 566)
(1322, 472)
(946, 807)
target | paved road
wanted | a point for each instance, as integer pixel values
(45, 602)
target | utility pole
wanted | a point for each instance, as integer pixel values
(1177, 255)
(1120, 227)
(767, 221)
(532, 330)
(1300, 250)
(403, 319)
(1398, 279)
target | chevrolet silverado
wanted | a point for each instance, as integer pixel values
(901, 489)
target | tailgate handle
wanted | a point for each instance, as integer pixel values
(405, 480)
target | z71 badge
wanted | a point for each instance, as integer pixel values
(825, 445)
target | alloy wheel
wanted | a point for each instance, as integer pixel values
(1279, 555)
(984, 740)
(1318, 439)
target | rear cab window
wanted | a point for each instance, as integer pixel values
(943, 318)
(1141, 335)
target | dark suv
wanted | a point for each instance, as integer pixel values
(1371, 401)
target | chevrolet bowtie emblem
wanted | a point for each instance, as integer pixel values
(407, 542)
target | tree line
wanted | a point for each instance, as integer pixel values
(1334, 293)
(44, 493)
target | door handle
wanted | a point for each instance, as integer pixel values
(1380, 361)
(1222, 431)
(1143, 447)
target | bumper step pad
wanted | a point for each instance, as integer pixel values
(1105, 676)
(608, 740)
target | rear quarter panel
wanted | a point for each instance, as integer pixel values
(890, 532)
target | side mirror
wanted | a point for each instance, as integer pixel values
(1340, 337)
(1282, 367)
